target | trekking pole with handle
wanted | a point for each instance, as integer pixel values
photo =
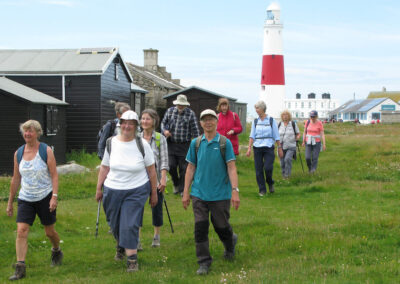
(97, 222)
(301, 161)
(169, 217)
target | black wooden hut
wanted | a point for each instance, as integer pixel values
(18, 104)
(88, 79)
(201, 99)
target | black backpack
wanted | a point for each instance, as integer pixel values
(139, 144)
(102, 133)
(270, 124)
(293, 126)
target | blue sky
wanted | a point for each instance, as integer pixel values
(340, 47)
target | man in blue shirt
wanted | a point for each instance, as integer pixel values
(212, 168)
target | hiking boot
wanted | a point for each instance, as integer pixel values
(20, 271)
(271, 189)
(176, 189)
(120, 254)
(56, 257)
(139, 246)
(228, 255)
(132, 265)
(156, 242)
(203, 270)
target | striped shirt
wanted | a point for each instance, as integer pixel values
(183, 126)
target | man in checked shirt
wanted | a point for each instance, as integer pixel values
(179, 126)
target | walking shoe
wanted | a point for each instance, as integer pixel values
(271, 189)
(120, 254)
(20, 271)
(139, 246)
(176, 189)
(56, 257)
(203, 270)
(156, 242)
(132, 265)
(228, 255)
(261, 194)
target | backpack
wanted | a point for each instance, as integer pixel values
(139, 144)
(222, 145)
(222, 148)
(102, 133)
(158, 139)
(270, 124)
(293, 126)
(42, 152)
(308, 123)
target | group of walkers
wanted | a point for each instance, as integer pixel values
(134, 168)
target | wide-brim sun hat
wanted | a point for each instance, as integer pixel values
(130, 115)
(208, 112)
(181, 100)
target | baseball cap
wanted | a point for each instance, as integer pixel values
(208, 112)
(313, 113)
(130, 115)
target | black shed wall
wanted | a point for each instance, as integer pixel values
(50, 85)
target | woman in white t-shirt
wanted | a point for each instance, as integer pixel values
(127, 174)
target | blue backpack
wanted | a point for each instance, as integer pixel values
(42, 152)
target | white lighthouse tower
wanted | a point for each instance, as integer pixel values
(273, 73)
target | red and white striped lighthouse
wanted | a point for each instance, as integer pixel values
(273, 73)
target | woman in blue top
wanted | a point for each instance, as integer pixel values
(36, 172)
(263, 136)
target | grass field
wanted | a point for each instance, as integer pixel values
(341, 225)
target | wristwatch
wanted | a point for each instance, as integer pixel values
(235, 188)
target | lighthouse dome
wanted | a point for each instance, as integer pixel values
(274, 7)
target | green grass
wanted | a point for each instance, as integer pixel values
(341, 225)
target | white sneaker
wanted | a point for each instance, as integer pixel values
(156, 242)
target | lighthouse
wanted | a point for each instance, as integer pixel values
(273, 73)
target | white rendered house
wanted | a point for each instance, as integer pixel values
(300, 108)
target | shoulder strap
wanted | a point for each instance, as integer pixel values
(158, 139)
(308, 122)
(294, 127)
(108, 145)
(139, 144)
(255, 122)
(112, 127)
(43, 151)
(20, 153)
(279, 124)
(198, 140)
(222, 146)
(270, 121)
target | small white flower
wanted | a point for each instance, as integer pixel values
(43, 242)
(61, 241)
(87, 228)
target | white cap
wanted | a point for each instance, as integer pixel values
(208, 112)
(130, 115)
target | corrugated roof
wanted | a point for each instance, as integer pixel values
(138, 89)
(27, 93)
(160, 81)
(57, 61)
(198, 88)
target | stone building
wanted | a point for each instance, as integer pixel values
(155, 79)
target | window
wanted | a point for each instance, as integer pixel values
(288, 104)
(302, 105)
(352, 116)
(137, 103)
(339, 115)
(51, 120)
(262, 88)
(333, 105)
(116, 71)
(302, 114)
(322, 105)
(309, 105)
(295, 105)
(376, 115)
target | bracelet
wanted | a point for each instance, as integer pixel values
(55, 194)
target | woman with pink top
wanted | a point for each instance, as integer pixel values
(312, 137)
(228, 124)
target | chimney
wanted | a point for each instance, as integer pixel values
(150, 59)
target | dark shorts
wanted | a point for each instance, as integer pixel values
(27, 211)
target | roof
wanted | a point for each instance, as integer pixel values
(358, 105)
(200, 89)
(88, 61)
(394, 95)
(27, 94)
(153, 77)
(138, 89)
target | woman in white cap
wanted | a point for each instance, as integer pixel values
(312, 136)
(128, 175)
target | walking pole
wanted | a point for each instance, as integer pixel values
(301, 161)
(169, 217)
(97, 222)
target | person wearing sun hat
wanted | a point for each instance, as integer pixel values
(127, 175)
(312, 137)
(179, 126)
